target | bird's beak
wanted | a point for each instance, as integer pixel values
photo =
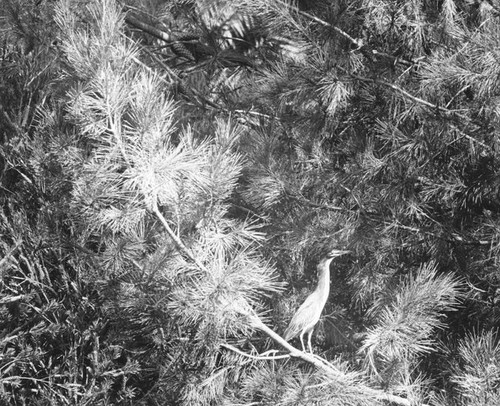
(338, 253)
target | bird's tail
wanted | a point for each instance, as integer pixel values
(289, 333)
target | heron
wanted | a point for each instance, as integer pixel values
(305, 319)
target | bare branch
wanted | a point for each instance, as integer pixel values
(319, 362)
(258, 357)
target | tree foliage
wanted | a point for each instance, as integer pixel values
(172, 172)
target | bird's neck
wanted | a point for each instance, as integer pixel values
(324, 278)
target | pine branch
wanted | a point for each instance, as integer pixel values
(194, 92)
(358, 43)
(178, 80)
(257, 357)
(155, 32)
(327, 367)
(453, 239)
(177, 241)
(318, 362)
(472, 139)
(454, 236)
(302, 199)
(408, 95)
(255, 113)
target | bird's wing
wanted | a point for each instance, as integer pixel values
(302, 318)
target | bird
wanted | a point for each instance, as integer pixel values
(308, 314)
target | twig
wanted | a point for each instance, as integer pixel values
(137, 265)
(214, 376)
(404, 93)
(258, 357)
(463, 89)
(454, 237)
(308, 202)
(469, 137)
(250, 212)
(358, 43)
(177, 241)
(12, 299)
(155, 32)
(9, 254)
(255, 113)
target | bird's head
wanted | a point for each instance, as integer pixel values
(324, 264)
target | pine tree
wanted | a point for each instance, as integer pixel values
(152, 199)
(172, 173)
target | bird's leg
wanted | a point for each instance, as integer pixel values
(309, 340)
(302, 341)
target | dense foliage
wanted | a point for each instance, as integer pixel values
(172, 172)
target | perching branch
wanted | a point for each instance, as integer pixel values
(318, 362)
(257, 357)
(327, 367)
